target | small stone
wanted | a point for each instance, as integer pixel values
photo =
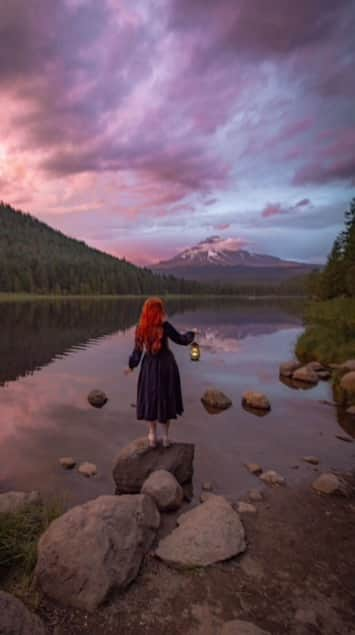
(256, 400)
(327, 483)
(255, 495)
(272, 478)
(67, 462)
(351, 411)
(305, 375)
(316, 366)
(345, 438)
(254, 468)
(97, 398)
(207, 486)
(87, 469)
(311, 459)
(288, 368)
(246, 508)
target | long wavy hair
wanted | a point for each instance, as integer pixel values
(149, 333)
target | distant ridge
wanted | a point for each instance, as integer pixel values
(224, 260)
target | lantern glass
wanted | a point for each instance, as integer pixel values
(195, 352)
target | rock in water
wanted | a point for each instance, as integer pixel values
(163, 487)
(311, 459)
(239, 627)
(255, 400)
(87, 469)
(351, 411)
(272, 478)
(316, 366)
(215, 399)
(324, 375)
(255, 495)
(305, 375)
(97, 398)
(209, 533)
(95, 548)
(288, 368)
(327, 484)
(137, 461)
(67, 462)
(254, 468)
(16, 619)
(12, 502)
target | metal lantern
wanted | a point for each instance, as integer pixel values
(195, 352)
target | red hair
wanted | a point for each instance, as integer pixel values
(149, 334)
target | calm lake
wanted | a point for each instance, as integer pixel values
(53, 353)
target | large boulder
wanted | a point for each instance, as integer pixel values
(97, 398)
(163, 487)
(215, 400)
(138, 460)
(95, 548)
(13, 502)
(305, 375)
(209, 533)
(349, 365)
(16, 619)
(347, 386)
(256, 400)
(288, 368)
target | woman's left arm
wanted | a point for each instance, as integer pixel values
(184, 339)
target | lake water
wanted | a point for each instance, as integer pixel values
(53, 353)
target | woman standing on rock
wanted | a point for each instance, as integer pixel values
(159, 397)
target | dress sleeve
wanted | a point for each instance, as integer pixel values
(135, 356)
(179, 338)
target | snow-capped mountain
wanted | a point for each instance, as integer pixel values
(224, 258)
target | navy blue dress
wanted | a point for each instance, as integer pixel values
(159, 395)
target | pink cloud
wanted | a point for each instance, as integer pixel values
(221, 226)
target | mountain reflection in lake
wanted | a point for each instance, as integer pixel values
(53, 353)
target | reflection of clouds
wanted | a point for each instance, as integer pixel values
(214, 341)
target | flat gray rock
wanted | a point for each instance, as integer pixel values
(163, 487)
(16, 619)
(95, 548)
(239, 627)
(67, 462)
(12, 502)
(310, 459)
(137, 461)
(254, 468)
(246, 508)
(209, 533)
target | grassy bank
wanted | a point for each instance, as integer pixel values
(330, 332)
(19, 535)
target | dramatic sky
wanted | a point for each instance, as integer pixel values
(145, 126)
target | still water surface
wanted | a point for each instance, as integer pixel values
(53, 353)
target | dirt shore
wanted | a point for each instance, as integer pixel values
(297, 576)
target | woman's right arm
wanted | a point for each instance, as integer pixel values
(184, 339)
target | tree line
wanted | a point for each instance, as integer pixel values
(338, 277)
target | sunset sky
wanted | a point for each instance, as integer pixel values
(145, 126)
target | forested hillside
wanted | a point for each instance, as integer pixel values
(338, 277)
(35, 258)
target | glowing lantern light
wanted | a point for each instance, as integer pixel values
(195, 352)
